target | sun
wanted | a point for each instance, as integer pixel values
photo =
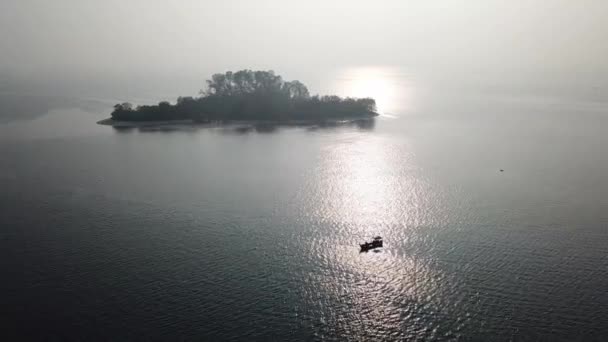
(370, 82)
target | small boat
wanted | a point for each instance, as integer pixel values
(376, 243)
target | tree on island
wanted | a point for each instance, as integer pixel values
(251, 95)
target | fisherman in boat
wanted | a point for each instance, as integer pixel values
(376, 242)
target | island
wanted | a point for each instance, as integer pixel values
(248, 95)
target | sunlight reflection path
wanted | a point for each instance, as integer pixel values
(366, 185)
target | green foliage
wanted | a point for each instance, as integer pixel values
(250, 95)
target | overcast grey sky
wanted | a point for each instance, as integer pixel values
(181, 36)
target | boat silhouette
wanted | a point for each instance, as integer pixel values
(376, 243)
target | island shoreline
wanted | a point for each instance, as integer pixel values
(190, 122)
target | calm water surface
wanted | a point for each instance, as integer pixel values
(221, 234)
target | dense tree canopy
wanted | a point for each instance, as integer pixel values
(250, 95)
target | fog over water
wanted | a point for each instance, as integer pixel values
(176, 44)
(236, 232)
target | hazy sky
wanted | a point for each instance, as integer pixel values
(184, 36)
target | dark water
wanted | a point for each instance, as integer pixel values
(228, 234)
